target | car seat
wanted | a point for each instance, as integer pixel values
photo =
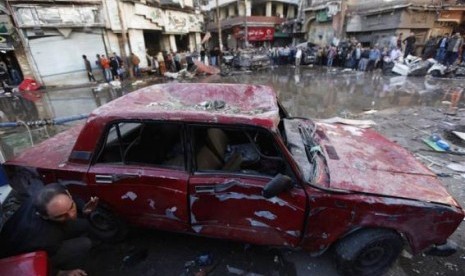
(211, 156)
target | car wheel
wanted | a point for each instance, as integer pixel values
(106, 226)
(368, 252)
(436, 73)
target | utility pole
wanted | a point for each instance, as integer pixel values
(124, 55)
(220, 40)
(245, 25)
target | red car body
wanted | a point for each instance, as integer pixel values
(357, 180)
(35, 263)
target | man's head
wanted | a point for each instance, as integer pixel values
(84, 56)
(55, 203)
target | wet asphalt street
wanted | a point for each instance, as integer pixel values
(305, 91)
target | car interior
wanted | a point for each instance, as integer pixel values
(241, 150)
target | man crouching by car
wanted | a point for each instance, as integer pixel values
(51, 221)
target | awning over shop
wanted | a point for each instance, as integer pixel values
(281, 34)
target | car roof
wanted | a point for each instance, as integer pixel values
(197, 102)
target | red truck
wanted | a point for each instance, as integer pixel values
(227, 161)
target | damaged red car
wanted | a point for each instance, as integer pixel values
(227, 161)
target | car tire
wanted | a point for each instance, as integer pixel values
(436, 73)
(368, 252)
(106, 226)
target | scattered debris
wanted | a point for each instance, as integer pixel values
(115, 84)
(181, 74)
(433, 144)
(461, 135)
(456, 167)
(406, 254)
(451, 266)
(137, 82)
(135, 257)
(359, 123)
(371, 111)
(101, 86)
(210, 105)
(202, 68)
(200, 266)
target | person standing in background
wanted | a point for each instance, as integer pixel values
(135, 65)
(90, 75)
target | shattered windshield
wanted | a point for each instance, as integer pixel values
(298, 146)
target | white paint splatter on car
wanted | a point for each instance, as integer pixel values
(274, 200)
(129, 195)
(266, 214)
(151, 203)
(197, 228)
(170, 213)
(295, 233)
(257, 223)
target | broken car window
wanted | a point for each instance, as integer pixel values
(248, 151)
(150, 143)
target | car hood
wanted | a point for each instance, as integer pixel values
(362, 160)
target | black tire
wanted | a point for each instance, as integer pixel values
(436, 73)
(106, 226)
(368, 252)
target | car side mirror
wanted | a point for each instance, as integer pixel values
(277, 185)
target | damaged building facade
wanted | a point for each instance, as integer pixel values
(324, 21)
(372, 22)
(376, 21)
(55, 36)
(254, 23)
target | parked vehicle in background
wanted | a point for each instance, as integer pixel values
(227, 161)
(453, 71)
(309, 52)
(251, 59)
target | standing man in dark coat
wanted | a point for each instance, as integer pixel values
(409, 45)
(90, 75)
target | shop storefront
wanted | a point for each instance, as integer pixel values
(8, 59)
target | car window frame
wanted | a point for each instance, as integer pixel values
(192, 162)
(102, 142)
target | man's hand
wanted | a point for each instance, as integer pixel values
(74, 272)
(90, 206)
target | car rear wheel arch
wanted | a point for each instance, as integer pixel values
(367, 251)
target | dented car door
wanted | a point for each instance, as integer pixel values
(225, 195)
(141, 175)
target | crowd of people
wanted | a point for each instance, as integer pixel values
(446, 49)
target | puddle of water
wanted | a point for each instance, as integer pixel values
(316, 92)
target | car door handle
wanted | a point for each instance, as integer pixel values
(227, 185)
(204, 189)
(110, 178)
